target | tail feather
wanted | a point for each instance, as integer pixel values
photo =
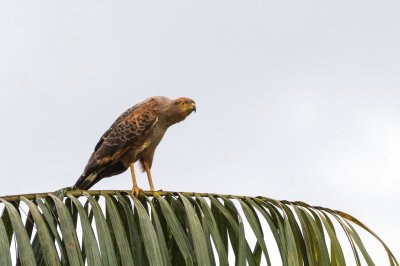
(86, 182)
(91, 176)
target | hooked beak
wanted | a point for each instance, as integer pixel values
(194, 107)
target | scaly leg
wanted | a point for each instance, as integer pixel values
(135, 189)
(148, 172)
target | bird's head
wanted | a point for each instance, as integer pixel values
(181, 108)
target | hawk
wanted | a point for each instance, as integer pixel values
(134, 136)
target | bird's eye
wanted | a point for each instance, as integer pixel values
(182, 103)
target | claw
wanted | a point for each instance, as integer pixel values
(136, 191)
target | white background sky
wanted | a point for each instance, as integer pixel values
(297, 100)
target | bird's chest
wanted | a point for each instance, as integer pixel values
(150, 142)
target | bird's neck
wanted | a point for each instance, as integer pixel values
(170, 120)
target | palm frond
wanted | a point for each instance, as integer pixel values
(169, 228)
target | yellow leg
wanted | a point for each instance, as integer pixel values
(148, 172)
(135, 189)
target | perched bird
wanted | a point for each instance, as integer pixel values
(133, 137)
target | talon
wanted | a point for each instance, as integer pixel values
(136, 191)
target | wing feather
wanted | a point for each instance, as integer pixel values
(121, 118)
(126, 133)
(128, 129)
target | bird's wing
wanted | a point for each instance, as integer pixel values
(129, 128)
(123, 135)
(121, 118)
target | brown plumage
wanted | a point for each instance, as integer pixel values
(134, 136)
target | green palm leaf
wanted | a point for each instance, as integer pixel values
(169, 228)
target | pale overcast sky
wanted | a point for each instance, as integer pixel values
(296, 100)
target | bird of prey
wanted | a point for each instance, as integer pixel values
(133, 137)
